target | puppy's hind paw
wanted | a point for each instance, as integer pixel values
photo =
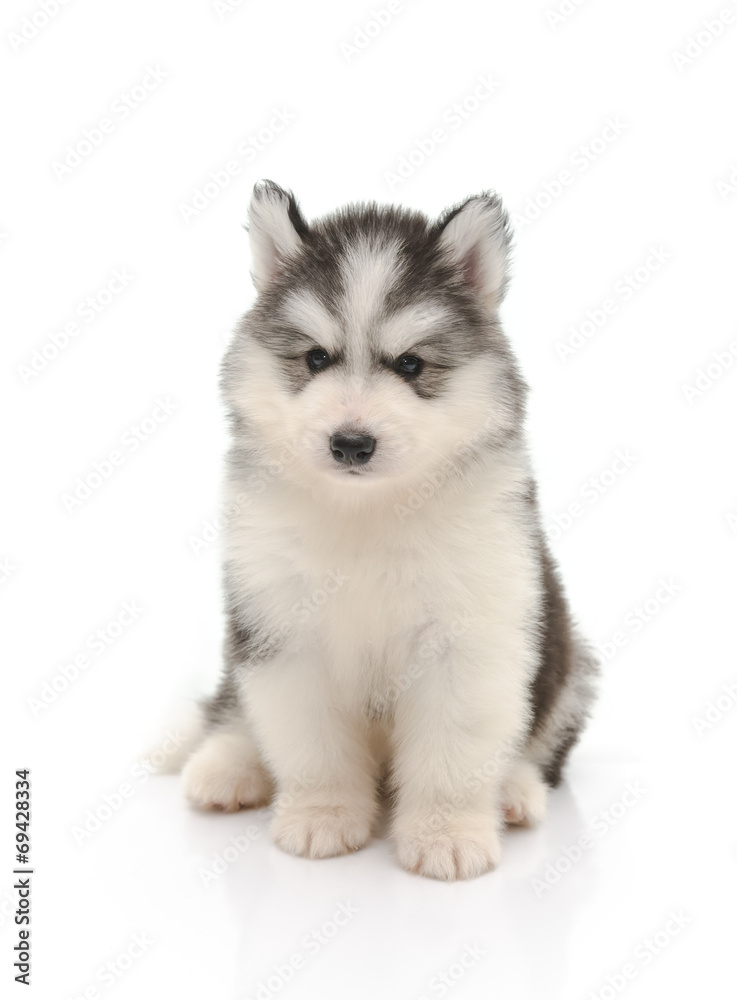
(525, 796)
(225, 774)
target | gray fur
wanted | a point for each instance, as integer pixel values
(426, 277)
(562, 689)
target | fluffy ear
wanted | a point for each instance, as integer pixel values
(276, 228)
(477, 237)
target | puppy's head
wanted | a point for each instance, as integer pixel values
(373, 356)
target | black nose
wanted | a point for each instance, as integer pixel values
(353, 449)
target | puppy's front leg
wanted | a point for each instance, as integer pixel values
(319, 754)
(456, 736)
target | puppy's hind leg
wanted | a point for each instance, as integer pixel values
(525, 794)
(225, 772)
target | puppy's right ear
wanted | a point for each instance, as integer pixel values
(476, 236)
(276, 228)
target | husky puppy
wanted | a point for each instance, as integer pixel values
(395, 617)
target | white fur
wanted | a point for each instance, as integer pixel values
(273, 239)
(304, 309)
(405, 330)
(475, 239)
(226, 773)
(525, 795)
(459, 572)
(404, 593)
(367, 277)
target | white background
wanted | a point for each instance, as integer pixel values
(662, 183)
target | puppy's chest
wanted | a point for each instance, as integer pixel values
(363, 600)
(360, 600)
(369, 598)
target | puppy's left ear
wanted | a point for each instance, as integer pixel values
(276, 227)
(477, 237)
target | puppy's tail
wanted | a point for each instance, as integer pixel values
(169, 749)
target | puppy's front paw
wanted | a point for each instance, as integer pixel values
(220, 775)
(457, 851)
(320, 830)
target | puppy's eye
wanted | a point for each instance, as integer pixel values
(317, 360)
(409, 365)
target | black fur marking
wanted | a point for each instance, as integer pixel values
(553, 769)
(425, 275)
(557, 642)
(225, 704)
(563, 662)
(298, 221)
(243, 649)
